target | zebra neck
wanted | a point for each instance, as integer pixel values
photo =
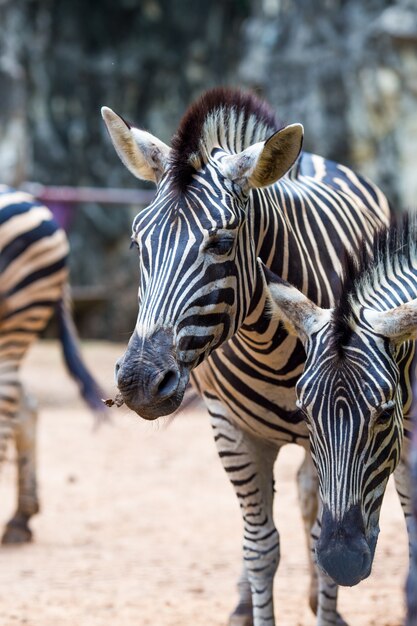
(270, 232)
(278, 222)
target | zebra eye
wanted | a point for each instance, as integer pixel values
(219, 245)
(134, 244)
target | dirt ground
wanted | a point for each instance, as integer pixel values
(140, 527)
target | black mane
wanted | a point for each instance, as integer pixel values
(186, 141)
(390, 242)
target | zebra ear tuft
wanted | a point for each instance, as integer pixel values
(398, 324)
(143, 154)
(286, 303)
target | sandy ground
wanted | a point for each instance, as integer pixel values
(140, 527)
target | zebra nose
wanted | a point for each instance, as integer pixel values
(117, 368)
(342, 549)
(165, 384)
(150, 380)
(346, 564)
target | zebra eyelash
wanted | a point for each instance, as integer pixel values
(220, 244)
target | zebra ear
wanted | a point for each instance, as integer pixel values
(264, 163)
(142, 153)
(398, 324)
(286, 303)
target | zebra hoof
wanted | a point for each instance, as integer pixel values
(241, 616)
(16, 532)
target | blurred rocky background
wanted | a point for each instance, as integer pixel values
(346, 69)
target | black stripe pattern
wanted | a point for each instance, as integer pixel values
(200, 282)
(355, 392)
(33, 272)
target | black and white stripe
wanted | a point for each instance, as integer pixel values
(33, 284)
(411, 619)
(355, 394)
(203, 302)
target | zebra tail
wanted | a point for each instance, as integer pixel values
(89, 388)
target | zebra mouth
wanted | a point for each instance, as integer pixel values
(150, 378)
(343, 551)
(155, 410)
(346, 567)
(150, 408)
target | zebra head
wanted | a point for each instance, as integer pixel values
(351, 393)
(197, 256)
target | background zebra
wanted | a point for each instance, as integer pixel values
(355, 394)
(412, 578)
(202, 296)
(33, 284)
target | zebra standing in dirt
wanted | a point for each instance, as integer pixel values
(33, 284)
(412, 578)
(225, 196)
(356, 394)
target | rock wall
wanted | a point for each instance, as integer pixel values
(14, 143)
(348, 71)
(147, 59)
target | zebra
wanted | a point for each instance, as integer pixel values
(33, 284)
(234, 186)
(356, 393)
(412, 576)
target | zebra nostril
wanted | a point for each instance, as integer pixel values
(167, 385)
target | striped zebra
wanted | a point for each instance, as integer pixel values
(234, 187)
(412, 577)
(33, 284)
(356, 393)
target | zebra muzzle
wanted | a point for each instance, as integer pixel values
(150, 380)
(342, 550)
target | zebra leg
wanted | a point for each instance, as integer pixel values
(326, 609)
(403, 488)
(308, 495)
(411, 585)
(327, 614)
(17, 530)
(243, 613)
(249, 463)
(402, 477)
(307, 482)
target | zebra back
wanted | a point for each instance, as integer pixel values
(33, 284)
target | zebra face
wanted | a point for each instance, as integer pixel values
(198, 266)
(351, 396)
(353, 409)
(197, 271)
